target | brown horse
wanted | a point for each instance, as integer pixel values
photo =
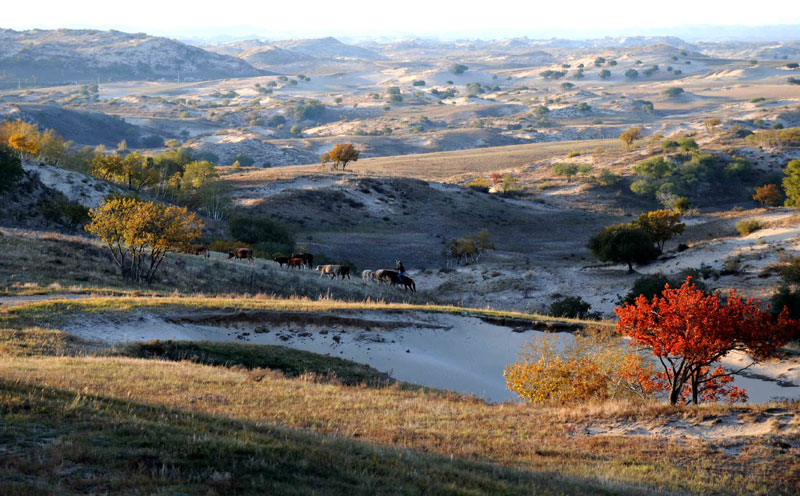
(296, 262)
(308, 259)
(243, 253)
(200, 249)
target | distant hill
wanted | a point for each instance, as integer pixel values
(67, 55)
(269, 55)
(328, 48)
(262, 54)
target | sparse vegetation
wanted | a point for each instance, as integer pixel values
(749, 226)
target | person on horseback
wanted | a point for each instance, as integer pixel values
(401, 271)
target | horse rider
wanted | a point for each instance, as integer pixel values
(401, 270)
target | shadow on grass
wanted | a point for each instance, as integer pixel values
(60, 442)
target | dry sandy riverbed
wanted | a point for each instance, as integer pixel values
(456, 352)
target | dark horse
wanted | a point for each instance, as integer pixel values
(393, 278)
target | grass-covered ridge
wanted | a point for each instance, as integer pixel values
(553, 441)
(55, 310)
(61, 442)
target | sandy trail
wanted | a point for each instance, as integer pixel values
(456, 352)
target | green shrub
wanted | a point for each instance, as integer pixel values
(673, 92)
(571, 307)
(785, 297)
(687, 144)
(573, 154)
(682, 204)
(308, 110)
(565, 170)
(748, 226)
(262, 233)
(653, 284)
(10, 169)
(738, 168)
(244, 160)
(623, 243)
(607, 178)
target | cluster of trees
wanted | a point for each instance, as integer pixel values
(174, 175)
(776, 137)
(666, 177)
(267, 236)
(28, 142)
(639, 241)
(677, 336)
(551, 74)
(309, 110)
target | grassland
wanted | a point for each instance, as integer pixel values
(217, 418)
(439, 166)
(57, 312)
(166, 427)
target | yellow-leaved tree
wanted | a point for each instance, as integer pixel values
(341, 154)
(593, 366)
(140, 233)
(661, 225)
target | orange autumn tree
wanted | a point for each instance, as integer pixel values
(688, 331)
(768, 195)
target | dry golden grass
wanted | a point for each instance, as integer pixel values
(513, 435)
(438, 166)
(56, 310)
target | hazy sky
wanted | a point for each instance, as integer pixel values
(377, 18)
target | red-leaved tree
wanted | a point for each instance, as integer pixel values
(688, 331)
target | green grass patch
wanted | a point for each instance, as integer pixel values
(287, 360)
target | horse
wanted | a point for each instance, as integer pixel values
(199, 249)
(334, 270)
(408, 283)
(367, 275)
(296, 262)
(393, 278)
(308, 259)
(386, 275)
(243, 253)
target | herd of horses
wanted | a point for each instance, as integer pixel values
(301, 261)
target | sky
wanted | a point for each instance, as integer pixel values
(379, 19)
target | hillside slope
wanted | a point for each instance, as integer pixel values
(66, 55)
